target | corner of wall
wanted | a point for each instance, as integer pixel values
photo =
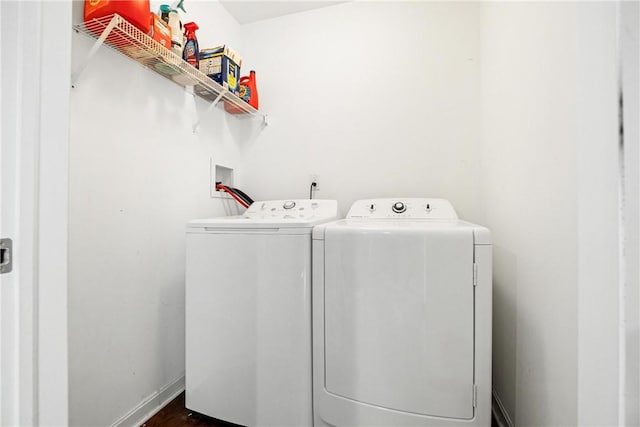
(151, 405)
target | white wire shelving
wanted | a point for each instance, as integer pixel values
(120, 35)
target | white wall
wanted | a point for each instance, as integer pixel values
(549, 192)
(378, 98)
(137, 174)
(529, 201)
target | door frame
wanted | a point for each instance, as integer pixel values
(35, 61)
(629, 143)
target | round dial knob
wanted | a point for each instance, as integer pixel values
(399, 207)
(289, 204)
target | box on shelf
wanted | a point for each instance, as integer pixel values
(222, 64)
(160, 31)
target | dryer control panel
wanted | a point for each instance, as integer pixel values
(292, 209)
(403, 208)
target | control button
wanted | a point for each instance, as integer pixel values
(372, 207)
(399, 207)
(263, 206)
(428, 207)
(289, 204)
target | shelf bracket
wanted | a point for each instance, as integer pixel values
(211, 107)
(98, 43)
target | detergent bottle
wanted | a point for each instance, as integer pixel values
(248, 89)
(191, 51)
(248, 93)
(134, 11)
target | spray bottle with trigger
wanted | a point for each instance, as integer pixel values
(191, 51)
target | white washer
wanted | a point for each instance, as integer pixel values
(248, 313)
(402, 317)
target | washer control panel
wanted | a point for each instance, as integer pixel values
(292, 209)
(408, 208)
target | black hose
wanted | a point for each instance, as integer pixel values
(242, 195)
(311, 187)
(239, 194)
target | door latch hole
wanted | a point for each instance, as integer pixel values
(5, 255)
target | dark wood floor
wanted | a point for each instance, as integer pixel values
(176, 415)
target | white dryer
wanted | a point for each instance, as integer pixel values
(402, 317)
(248, 313)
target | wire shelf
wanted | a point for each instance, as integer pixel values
(120, 35)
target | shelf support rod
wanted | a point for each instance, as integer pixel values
(213, 104)
(98, 43)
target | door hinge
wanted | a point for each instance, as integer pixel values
(475, 274)
(6, 255)
(475, 396)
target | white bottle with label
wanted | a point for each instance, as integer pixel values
(176, 32)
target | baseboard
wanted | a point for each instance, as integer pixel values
(152, 404)
(499, 412)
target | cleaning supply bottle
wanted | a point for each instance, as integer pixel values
(191, 51)
(176, 32)
(249, 90)
(171, 18)
(134, 11)
(164, 12)
(248, 93)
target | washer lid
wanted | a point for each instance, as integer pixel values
(301, 213)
